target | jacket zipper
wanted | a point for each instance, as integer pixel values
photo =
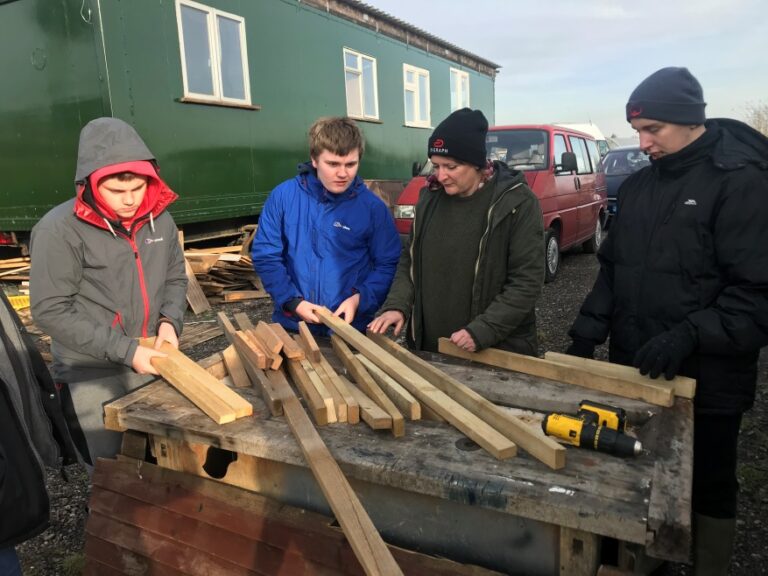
(142, 285)
(485, 235)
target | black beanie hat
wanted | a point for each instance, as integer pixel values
(669, 95)
(461, 136)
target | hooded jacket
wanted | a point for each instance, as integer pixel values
(32, 432)
(509, 272)
(96, 286)
(324, 247)
(690, 245)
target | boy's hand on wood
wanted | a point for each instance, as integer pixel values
(142, 360)
(348, 308)
(166, 333)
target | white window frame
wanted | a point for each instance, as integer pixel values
(360, 84)
(460, 74)
(420, 121)
(214, 47)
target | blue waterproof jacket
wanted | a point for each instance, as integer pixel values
(324, 247)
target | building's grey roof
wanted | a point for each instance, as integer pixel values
(371, 17)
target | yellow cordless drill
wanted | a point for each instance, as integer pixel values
(596, 426)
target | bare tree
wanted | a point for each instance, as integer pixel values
(756, 115)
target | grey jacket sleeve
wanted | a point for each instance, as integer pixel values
(175, 291)
(54, 281)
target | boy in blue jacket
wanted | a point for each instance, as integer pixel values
(324, 239)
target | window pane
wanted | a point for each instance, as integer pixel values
(465, 91)
(423, 93)
(409, 79)
(581, 165)
(369, 89)
(350, 61)
(197, 54)
(559, 148)
(454, 92)
(409, 106)
(353, 94)
(232, 82)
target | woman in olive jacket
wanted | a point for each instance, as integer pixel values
(474, 264)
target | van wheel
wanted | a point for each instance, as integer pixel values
(551, 254)
(593, 244)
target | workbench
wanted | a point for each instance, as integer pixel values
(436, 492)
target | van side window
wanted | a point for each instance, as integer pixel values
(594, 155)
(579, 147)
(559, 148)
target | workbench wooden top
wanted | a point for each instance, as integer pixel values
(645, 500)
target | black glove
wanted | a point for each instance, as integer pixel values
(666, 352)
(582, 348)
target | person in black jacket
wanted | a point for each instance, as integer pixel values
(683, 281)
(33, 433)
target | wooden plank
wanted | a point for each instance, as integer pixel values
(187, 376)
(366, 542)
(235, 367)
(315, 401)
(683, 386)
(370, 412)
(309, 341)
(340, 384)
(669, 509)
(238, 295)
(197, 300)
(245, 248)
(338, 401)
(651, 393)
(458, 416)
(201, 263)
(113, 409)
(217, 250)
(533, 441)
(249, 359)
(403, 399)
(271, 360)
(271, 341)
(246, 345)
(579, 552)
(368, 385)
(290, 348)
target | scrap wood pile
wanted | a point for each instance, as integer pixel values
(218, 275)
(15, 269)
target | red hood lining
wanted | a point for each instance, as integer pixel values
(90, 206)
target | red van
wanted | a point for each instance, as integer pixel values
(563, 169)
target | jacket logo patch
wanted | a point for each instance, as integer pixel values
(153, 240)
(690, 202)
(338, 224)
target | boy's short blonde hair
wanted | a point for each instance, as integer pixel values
(338, 135)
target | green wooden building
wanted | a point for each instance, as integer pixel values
(223, 92)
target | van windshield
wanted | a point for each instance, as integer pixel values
(520, 149)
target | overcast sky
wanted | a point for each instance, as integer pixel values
(578, 60)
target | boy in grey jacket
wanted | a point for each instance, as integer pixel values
(107, 268)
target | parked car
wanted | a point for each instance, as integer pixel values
(562, 168)
(617, 165)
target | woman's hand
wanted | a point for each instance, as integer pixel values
(464, 340)
(380, 324)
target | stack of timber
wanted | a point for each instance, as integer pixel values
(15, 269)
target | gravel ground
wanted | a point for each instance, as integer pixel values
(58, 551)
